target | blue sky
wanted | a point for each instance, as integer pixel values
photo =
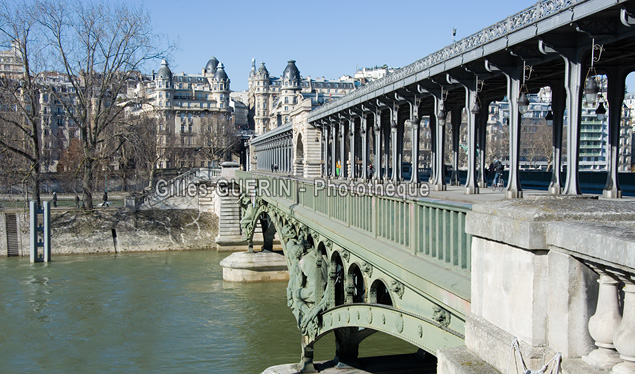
(326, 38)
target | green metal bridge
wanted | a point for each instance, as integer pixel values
(361, 263)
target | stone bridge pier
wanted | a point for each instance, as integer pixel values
(557, 273)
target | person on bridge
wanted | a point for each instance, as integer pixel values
(54, 199)
(498, 169)
(338, 167)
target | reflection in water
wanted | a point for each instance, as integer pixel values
(167, 312)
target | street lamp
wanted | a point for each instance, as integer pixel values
(523, 103)
(476, 108)
(591, 91)
(591, 88)
(441, 117)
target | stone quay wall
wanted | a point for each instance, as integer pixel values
(116, 231)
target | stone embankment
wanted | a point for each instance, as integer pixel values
(118, 230)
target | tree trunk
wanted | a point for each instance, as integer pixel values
(87, 184)
(36, 162)
(35, 177)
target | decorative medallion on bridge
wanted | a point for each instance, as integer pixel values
(346, 254)
(420, 331)
(328, 244)
(369, 315)
(328, 321)
(442, 316)
(315, 235)
(399, 323)
(367, 268)
(397, 288)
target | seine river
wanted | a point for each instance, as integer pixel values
(160, 312)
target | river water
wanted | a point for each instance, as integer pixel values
(160, 312)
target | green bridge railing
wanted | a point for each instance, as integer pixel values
(431, 228)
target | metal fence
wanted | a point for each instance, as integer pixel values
(430, 228)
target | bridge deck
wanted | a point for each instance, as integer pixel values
(457, 193)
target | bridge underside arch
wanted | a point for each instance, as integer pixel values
(423, 333)
(379, 293)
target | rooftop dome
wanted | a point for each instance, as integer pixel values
(211, 66)
(164, 71)
(291, 75)
(220, 73)
(262, 69)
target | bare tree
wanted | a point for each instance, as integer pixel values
(140, 151)
(100, 46)
(20, 92)
(544, 143)
(536, 142)
(219, 137)
(497, 145)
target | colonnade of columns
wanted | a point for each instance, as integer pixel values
(346, 134)
(275, 153)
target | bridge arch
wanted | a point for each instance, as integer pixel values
(299, 156)
(299, 148)
(337, 267)
(379, 293)
(355, 284)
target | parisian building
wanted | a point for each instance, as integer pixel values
(11, 63)
(272, 99)
(191, 108)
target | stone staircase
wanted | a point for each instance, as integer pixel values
(174, 193)
(208, 203)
